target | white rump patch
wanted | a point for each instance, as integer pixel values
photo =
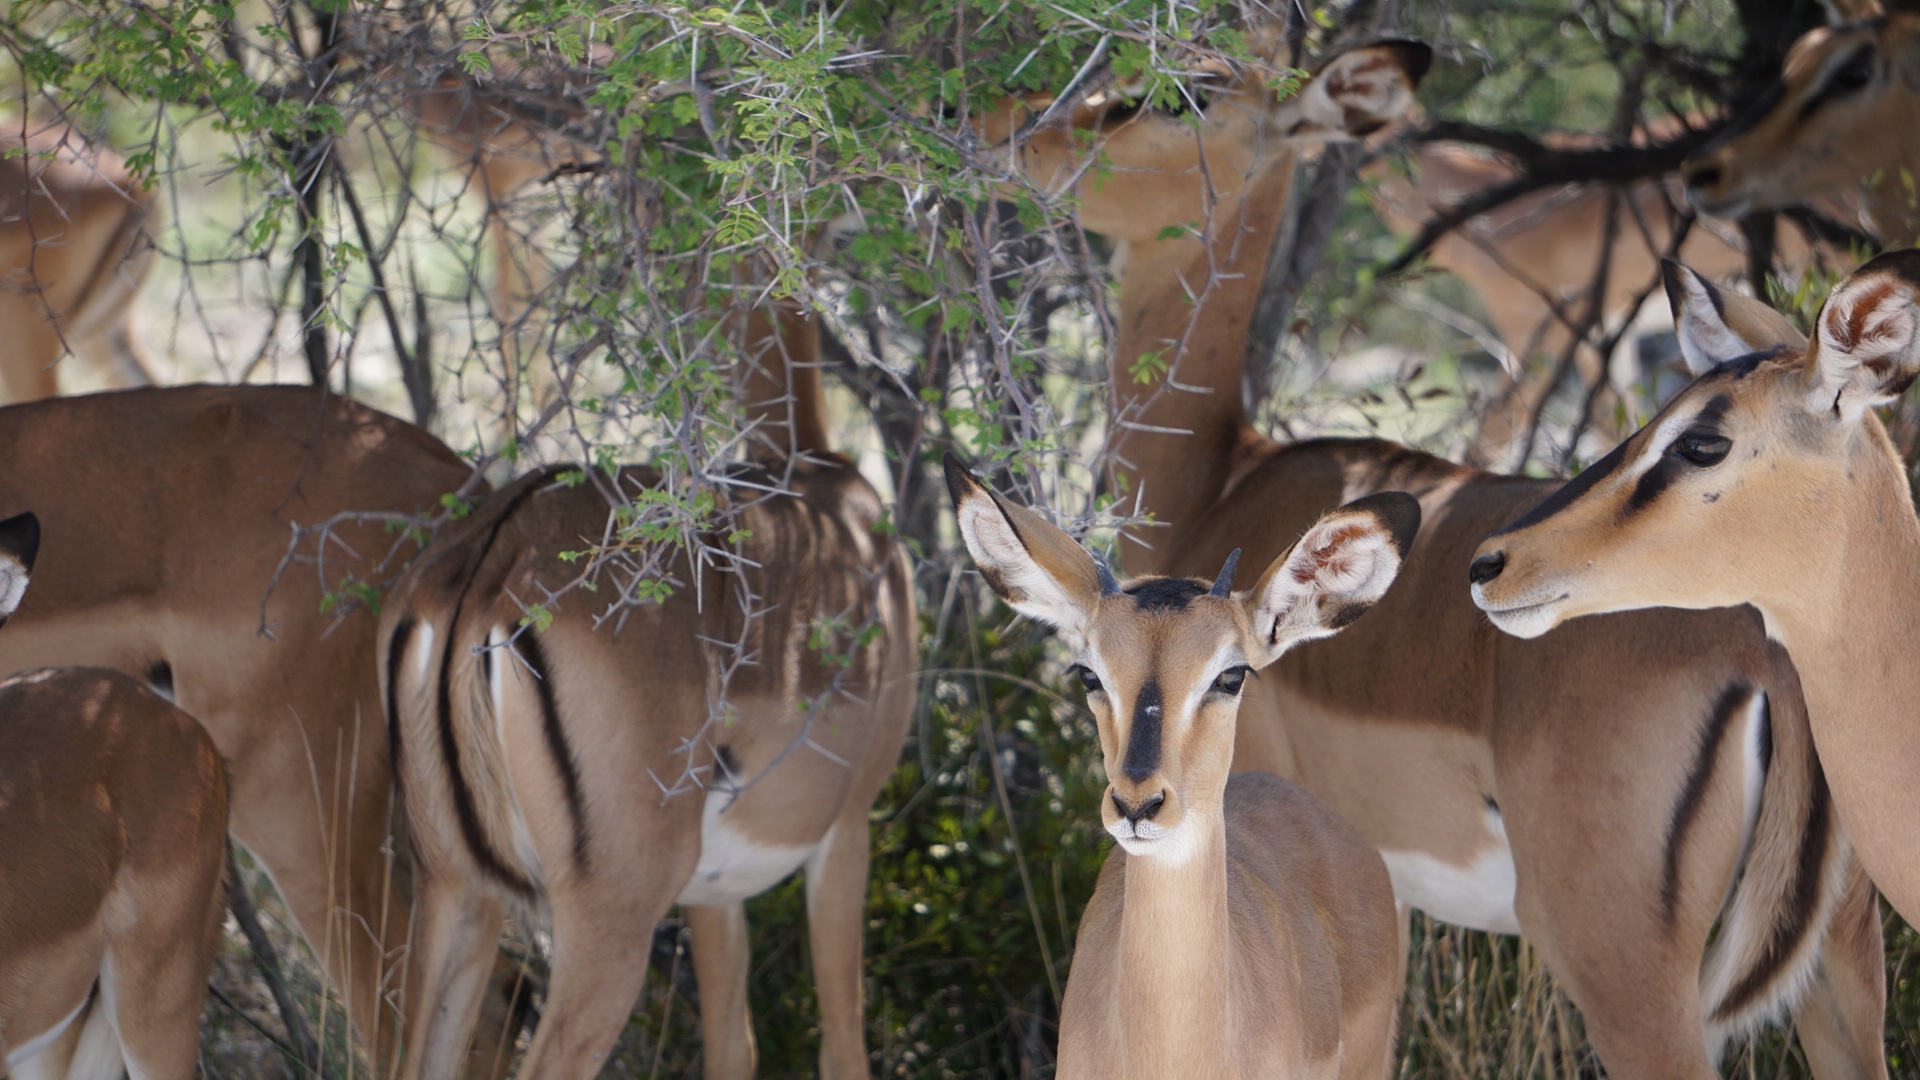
(423, 643)
(501, 655)
(732, 866)
(1478, 896)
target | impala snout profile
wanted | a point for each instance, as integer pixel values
(1769, 481)
(1290, 965)
(1604, 542)
(1840, 122)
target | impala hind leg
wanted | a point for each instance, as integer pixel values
(1841, 1020)
(722, 957)
(456, 932)
(156, 988)
(836, 922)
(600, 945)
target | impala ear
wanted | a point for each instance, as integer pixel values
(19, 544)
(1338, 570)
(1038, 570)
(1358, 92)
(1842, 12)
(1715, 325)
(1866, 348)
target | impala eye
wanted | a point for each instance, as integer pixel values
(1703, 448)
(1854, 74)
(1849, 78)
(1088, 680)
(1231, 679)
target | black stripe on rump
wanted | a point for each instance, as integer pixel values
(1803, 897)
(563, 758)
(465, 812)
(396, 647)
(1143, 741)
(1686, 809)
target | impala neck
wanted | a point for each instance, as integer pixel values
(1894, 208)
(778, 381)
(1852, 632)
(1194, 312)
(1852, 635)
(1172, 999)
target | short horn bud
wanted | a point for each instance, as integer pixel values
(1223, 581)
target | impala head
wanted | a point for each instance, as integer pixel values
(1163, 659)
(1842, 115)
(1737, 491)
(1156, 180)
(19, 543)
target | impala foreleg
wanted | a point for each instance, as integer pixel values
(1841, 1018)
(722, 958)
(336, 886)
(836, 921)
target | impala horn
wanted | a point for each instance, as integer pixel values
(1108, 586)
(1223, 583)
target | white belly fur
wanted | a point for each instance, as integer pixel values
(1478, 895)
(732, 867)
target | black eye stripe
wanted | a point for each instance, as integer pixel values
(1847, 77)
(1651, 484)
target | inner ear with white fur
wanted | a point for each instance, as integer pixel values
(1334, 574)
(1032, 564)
(1866, 348)
(1364, 89)
(20, 538)
(19, 545)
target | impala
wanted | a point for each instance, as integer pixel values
(1542, 251)
(73, 252)
(167, 515)
(113, 838)
(1770, 482)
(1842, 119)
(1242, 929)
(507, 142)
(1637, 794)
(697, 749)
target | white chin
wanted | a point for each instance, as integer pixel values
(1529, 622)
(1737, 208)
(1172, 846)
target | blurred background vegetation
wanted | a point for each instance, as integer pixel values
(311, 225)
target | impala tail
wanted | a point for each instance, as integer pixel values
(1783, 896)
(442, 683)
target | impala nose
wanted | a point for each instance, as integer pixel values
(1144, 811)
(1705, 176)
(1487, 567)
